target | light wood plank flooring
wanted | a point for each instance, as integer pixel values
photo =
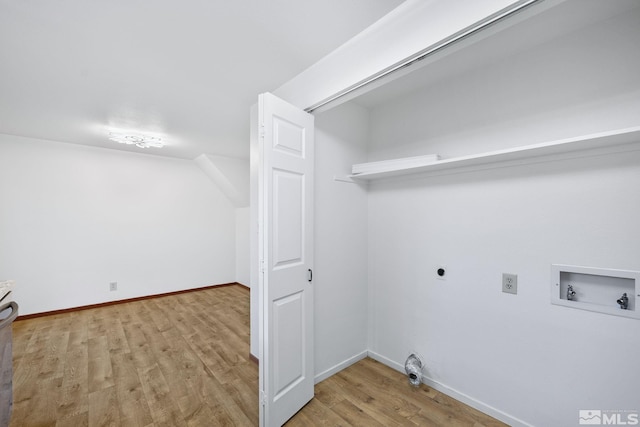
(182, 360)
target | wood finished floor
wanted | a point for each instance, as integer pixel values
(182, 360)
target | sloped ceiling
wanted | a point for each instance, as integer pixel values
(71, 70)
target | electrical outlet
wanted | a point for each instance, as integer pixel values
(510, 283)
(113, 286)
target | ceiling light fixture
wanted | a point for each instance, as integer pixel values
(139, 140)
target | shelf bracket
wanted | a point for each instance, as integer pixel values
(344, 179)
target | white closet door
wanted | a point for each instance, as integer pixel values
(286, 244)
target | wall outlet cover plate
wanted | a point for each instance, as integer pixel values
(510, 283)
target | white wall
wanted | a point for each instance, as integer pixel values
(582, 83)
(230, 174)
(519, 354)
(340, 275)
(516, 357)
(75, 218)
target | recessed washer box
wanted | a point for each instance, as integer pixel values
(596, 289)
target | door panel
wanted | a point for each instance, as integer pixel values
(288, 342)
(288, 137)
(286, 253)
(288, 218)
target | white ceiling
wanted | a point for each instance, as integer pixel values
(187, 70)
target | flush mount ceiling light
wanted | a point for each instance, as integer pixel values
(137, 139)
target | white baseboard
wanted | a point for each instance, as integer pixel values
(467, 400)
(340, 366)
(390, 363)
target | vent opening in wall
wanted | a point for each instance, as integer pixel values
(603, 290)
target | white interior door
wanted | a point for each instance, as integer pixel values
(286, 259)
